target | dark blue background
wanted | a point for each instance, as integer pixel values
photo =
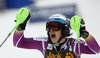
(17, 3)
(42, 14)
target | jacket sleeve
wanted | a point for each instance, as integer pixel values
(92, 44)
(89, 46)
(28, 43)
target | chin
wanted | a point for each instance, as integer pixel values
(54, 41)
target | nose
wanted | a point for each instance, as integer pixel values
(51, 30)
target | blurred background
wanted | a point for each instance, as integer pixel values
(40, 10)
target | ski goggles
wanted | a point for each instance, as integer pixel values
(54, 26)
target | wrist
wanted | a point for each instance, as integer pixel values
(84, 34)
(22, 26)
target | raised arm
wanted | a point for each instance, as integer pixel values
(28, 43)
(90, 45)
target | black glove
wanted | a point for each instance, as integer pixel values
(23, 25)
(83, 32)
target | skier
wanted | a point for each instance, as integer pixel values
(58, 44)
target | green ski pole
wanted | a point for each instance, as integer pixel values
(21, 16)
(75, 25)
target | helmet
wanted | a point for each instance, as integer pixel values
(64, 24)
(59, 18)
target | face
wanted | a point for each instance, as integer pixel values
(55, 35)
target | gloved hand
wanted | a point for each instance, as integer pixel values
(83, 32)
(23, 25)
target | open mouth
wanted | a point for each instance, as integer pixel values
(53, 35)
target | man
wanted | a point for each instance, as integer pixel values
(57, 44)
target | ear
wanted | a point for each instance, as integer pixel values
(65, 32)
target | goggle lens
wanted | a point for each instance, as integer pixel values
(53, 25)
